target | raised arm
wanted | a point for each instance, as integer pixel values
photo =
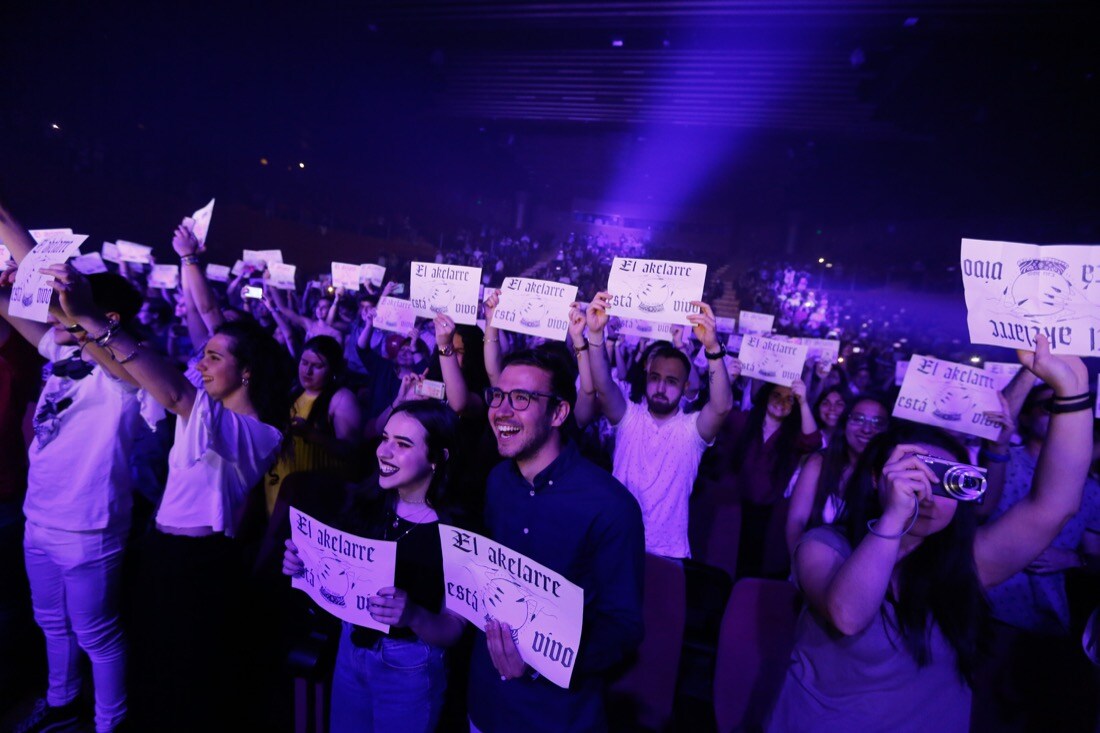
(809, 424)
(849, 592)
(288, 313)
(586, 409)
(458, 396)
(1005, 546)
(994, 457)
(611, 399)
(17, 239)
(720, 403)
(493, 358)
(151, 371)
(193, 280)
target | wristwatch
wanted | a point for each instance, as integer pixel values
(715, 356)
(583, 347)
(447, 350)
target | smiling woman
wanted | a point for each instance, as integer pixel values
(396, 680)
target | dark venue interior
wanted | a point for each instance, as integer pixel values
(805, 567)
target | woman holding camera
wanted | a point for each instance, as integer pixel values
(894, 592)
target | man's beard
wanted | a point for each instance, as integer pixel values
(659, 407)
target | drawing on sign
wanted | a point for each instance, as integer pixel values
(440, 298)
(655, 295)
(953, 404)
(1040, 290)
(506, 600)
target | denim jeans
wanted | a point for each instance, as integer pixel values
(396, 685)
(75, 583)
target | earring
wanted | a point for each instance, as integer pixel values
(244, 381)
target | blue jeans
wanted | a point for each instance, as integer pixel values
(396, 685)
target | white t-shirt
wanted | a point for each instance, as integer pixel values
(216, 459)
(658, 462)
(79, 478)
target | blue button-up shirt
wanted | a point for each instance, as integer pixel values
(578, 520)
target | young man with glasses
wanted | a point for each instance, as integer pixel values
(549, 503)
(658, 447)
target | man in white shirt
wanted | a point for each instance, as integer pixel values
(78, 505)
(657, 446)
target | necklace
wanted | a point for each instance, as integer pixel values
(414, 523)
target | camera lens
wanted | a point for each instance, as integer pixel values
(963, 483)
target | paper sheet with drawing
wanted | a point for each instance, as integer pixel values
(755, 323)
(655, 290)
(772, 360)
(164, 276)
(342, 570)
(1016, 291)
(948, 395)
(396, 315)
(451, 290)
(282, 275)
(484, 579)
(200, 222)
(638, 328)
(372, 274)
(31, 293)
(534, 307)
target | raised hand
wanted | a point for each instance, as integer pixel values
(74, 291)
(492, 300)
(705, 326)
(798, 389)
(292, 564)
(444, 331)
(1067, 375)
(906, 481)
(184, 241)
(596, 316)
(576, 325)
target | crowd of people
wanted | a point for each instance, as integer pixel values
(172, 431)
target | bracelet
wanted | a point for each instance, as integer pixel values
(716, 355)
(75, 328)
(578, 350)
(131, 356)
(192, 259)
(490, 341)
(916, 512)
(1062, 408)
(594, 343)
(1074, 398)
(105, 338)
(994, 457)
(447, 350)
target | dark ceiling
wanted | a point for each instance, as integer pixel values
(865, 106)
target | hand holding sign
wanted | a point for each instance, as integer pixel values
(704, 326)
(184, 241)
(1067, 375)
(503, 650)
(596, 314)
(74, 291)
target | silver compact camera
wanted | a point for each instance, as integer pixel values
(958, 481)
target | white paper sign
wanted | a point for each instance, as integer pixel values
(238, 268)
(655, 290)
(448, 289)
(200, 222)
(395, 315)
(31, 293)
(642, 329)
(372, 275)
(900, 368)
(89, 264)
(342, 570)
(164, 276)
(261, 258)
(949, 395)
(823, 350)
(484, 579)
(725, 325)
(1016, 291)
(756, 323)
(1003, 372)
(133, 252)
(217, 273)
(345, 276)
(110, 252)
(772, 360)
(534, 307)
(38, 235)
(733, 344)
(1096, 413)
(282, 275)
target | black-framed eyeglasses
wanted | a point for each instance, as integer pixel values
(519, 399)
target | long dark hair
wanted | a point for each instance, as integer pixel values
(328, 349)
(268, 364)
(835, 459)
(938, 581)
(789, 430)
